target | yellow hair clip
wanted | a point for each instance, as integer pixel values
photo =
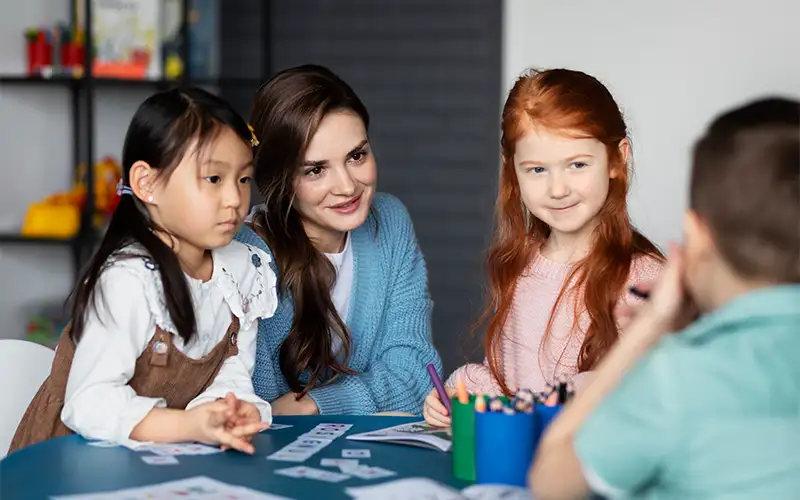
(253, 139)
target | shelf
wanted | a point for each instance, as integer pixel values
(121, 82)
(18, 239)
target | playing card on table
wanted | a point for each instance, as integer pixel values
(181, 449)
(326, 475)
(315, 443)
(282, 456)
(159, 460)
(337, 462)
(200, 449)
(299, 471)
(339, 427)
(277, 427)
(294, 452)
(103, 444)
(322, 434)
(365, 472)
(355, 454)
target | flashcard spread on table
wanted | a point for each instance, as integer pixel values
(303, 472)
(103, 444)
(159, 460)
(356, 454)
(177, 449)
(308, 444)
(277, 427)
(338, 462)
(195, 488)
(495, 492)
(426, 489)
(415, 488)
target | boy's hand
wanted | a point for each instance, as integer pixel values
(669, 306)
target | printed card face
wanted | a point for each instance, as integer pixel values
(159, 460)
(103, 444)
(165, 449)
(349, 468)
(299, 471)
(327, 476)
(200, 449)
(372, 472)
(339, 427)
(280, 456)
(313, 442)
(356, 454)
(330, 435)
(337, 462)
(277, 427)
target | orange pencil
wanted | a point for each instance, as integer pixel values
(480, 403)
(461, 390)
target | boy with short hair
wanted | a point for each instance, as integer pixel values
(712, 411)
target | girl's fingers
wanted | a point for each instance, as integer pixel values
(437, 420)
(247, 429)
(237, 443)
(219, 413)
(437, 406)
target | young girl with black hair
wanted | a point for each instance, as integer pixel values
(161, 342)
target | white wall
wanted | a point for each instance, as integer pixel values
(671, 64)
(36, 146)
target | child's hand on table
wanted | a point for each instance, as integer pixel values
(210, 424)
(243, 413)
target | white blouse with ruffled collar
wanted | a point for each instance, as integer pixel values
(99, 403)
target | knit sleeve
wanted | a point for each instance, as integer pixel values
(396, 378)
(477, 377)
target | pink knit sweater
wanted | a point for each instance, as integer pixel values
(526, 363)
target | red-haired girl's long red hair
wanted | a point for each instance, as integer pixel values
(575, 103)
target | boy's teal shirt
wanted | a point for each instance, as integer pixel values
(711, 412)
(389, 320)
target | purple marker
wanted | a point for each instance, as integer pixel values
(437, 382)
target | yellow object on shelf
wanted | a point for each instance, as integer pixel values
(47, 220)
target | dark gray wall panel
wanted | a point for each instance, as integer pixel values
(429, 72)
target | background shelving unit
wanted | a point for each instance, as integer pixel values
(82, 94)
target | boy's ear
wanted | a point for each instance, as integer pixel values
(624, 154)
(142, 178)
(699, 242)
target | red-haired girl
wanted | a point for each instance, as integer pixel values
(565, 253)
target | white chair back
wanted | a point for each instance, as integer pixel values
(23, 367)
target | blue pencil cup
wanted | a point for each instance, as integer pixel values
(504, 446)
(542, 416)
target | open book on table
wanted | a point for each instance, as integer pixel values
(412, 434)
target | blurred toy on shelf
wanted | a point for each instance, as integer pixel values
(46, 321)
(56, 51)
(43, 330)
(59, 215)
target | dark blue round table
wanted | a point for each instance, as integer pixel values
(69, 465)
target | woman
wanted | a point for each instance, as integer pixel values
(352, 331)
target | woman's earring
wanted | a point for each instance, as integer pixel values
(150, 199)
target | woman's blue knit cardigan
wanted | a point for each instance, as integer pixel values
(389, 322)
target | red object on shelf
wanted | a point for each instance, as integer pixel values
(72, 56)
(39, 54)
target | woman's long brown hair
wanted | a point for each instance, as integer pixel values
(285, 115)
(570, 102)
